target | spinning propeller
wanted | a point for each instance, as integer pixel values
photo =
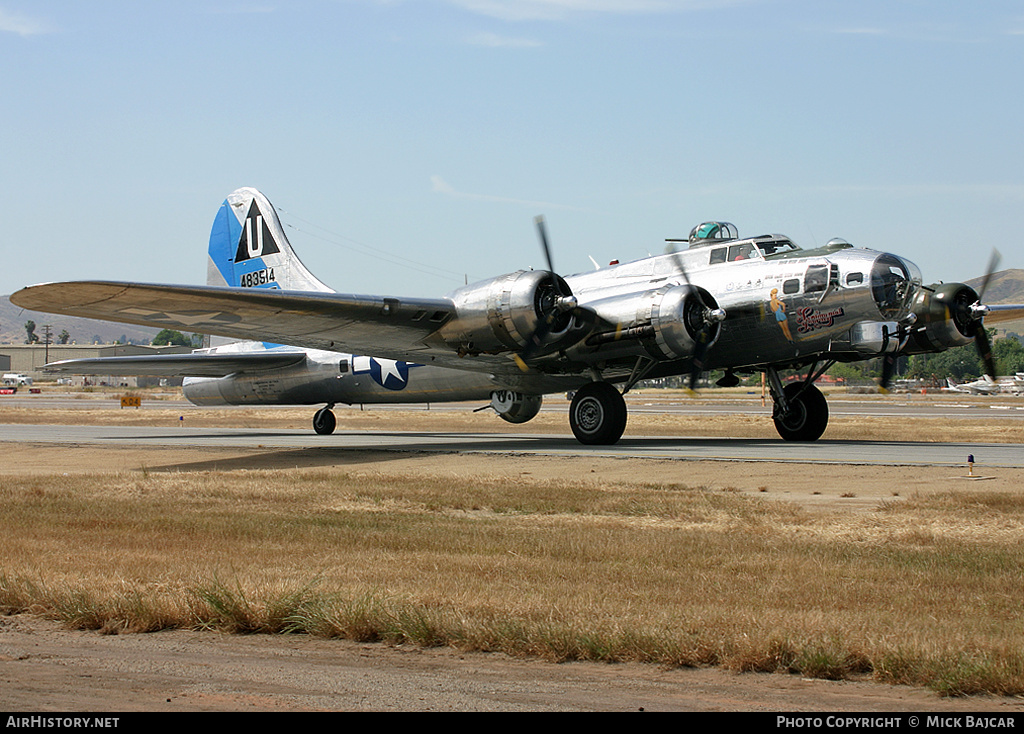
(556, 305)
(969, 319)
(977, 325)
(703, 321)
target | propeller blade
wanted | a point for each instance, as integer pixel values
(888, 368)
(993, 263)
(542, 233)
(699, 354)
(984, 349)
(678, 260)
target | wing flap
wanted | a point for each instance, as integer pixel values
(178, 365)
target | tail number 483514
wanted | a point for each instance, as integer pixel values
(257, 278)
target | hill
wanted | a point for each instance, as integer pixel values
(82, 331)
(1006, 286)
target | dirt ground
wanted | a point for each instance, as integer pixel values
(44, 667)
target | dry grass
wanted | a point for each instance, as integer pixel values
(925, 591)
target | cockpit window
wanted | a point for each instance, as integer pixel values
(718, 255)
(742, 252)
(777, 247)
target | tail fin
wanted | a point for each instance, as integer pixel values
(249, 249)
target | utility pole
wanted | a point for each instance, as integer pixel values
(47, 331)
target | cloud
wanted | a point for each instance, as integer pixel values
(20, 24)
(493, 40)
(862, 31)
(517, 10)
(439, 186)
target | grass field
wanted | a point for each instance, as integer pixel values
(926, 590)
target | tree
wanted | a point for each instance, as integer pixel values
(1009, 356)
(172, 338)
(63, 337)
(30, 330)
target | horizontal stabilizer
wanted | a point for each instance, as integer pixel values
(178, 365)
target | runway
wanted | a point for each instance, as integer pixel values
(694, 448)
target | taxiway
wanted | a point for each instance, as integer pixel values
(650, 447)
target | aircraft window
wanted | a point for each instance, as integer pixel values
(741, 252)
(791, 286)
(816, 278)
(833, 276)
(774, 247)
(854, 278)
(343, 366)
(718, 256)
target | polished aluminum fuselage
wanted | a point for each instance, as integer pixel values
(332, 377)
(789, 309)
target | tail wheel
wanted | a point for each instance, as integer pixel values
(324, 422)
(597, 414)
(807, 416)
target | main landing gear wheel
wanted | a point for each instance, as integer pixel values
(807, 417)
(324, 422)
(597, 414)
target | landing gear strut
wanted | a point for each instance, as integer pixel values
(801, 411)
(597, 414)
(324, 421)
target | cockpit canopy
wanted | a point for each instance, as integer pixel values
(709, 232)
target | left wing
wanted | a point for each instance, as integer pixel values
(387, 327)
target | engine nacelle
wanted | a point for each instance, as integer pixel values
(515, 407)
(501, 314)
(665, 323)
(943, 318)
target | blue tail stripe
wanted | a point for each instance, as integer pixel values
(224, 237)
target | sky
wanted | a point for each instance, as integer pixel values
(409, 144)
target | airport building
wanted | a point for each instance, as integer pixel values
(28, 359)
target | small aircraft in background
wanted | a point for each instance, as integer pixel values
(712, 301)
(984, 385)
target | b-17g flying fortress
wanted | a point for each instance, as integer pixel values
(714, 301)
